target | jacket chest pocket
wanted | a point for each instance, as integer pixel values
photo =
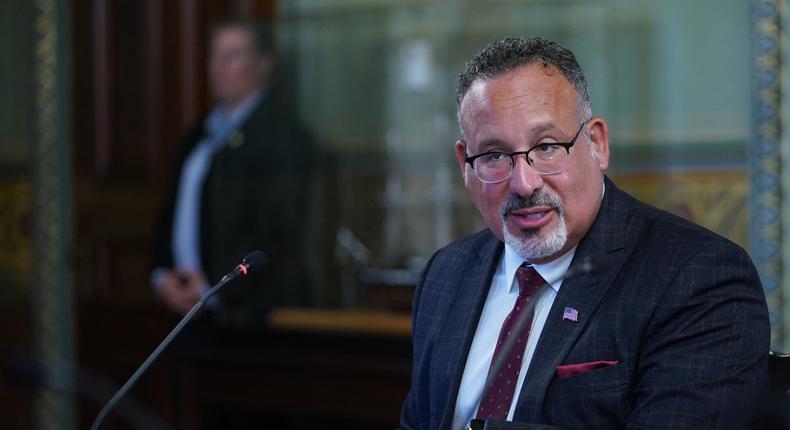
(615, 377)
(599, 398)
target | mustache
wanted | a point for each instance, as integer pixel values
(538, 198)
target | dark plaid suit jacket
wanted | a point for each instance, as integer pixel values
(680, 308)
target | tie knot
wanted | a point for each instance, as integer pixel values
(529, 280)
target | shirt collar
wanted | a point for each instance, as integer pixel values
(241, 111)
(221, 120)
(553, 271)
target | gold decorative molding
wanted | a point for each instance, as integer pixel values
(715, 200)
(15, 245)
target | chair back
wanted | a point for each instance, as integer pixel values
(776, 407)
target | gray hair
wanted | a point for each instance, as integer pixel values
(511, 53)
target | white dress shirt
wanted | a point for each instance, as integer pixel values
(186, 217)
(501, 297)
(185, 236)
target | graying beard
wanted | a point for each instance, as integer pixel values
(551, 244)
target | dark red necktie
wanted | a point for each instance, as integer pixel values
(497, 400)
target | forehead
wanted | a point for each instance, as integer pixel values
(232, 36)
(532, 96)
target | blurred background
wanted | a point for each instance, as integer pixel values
(96, 94)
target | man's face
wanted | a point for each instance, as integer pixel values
(541, 216)
(236, 70)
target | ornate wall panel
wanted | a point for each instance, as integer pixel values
(765, 163)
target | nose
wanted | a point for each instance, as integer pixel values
(525, 179)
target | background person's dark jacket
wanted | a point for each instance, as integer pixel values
(256, 196)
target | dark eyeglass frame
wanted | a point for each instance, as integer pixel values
(512, 155)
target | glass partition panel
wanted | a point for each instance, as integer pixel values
(375, 81)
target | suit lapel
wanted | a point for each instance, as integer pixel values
(607, 238)
(454, 338)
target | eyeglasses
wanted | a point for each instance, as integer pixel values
(546, 158)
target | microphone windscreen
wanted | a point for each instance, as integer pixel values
(254, 260)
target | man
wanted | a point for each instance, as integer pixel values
(243, 176)
(671, 332)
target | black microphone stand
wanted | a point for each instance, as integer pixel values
(247, 264)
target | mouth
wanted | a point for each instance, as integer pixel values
(530, 218)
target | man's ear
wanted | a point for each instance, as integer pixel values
(599, 139)
(460, 155)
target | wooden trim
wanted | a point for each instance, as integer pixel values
(190, 61)
(102, 72)
(349, 321)
(154, 86)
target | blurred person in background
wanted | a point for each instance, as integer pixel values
(241, 183)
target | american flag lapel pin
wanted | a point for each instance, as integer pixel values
(570, 314)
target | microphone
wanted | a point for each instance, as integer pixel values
(248, 264)
(589, 265)
(251, 262)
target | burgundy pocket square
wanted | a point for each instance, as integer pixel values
(568, 370)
